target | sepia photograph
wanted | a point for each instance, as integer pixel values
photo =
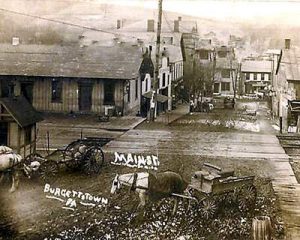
(149, 120)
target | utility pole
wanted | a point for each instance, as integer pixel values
(155, 86)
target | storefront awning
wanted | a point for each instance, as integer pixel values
(294, 106)
(160, 98)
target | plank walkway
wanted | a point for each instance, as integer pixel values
(239, 145)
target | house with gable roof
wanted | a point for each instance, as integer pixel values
(286, 87)
(256, 75)
(18, 125)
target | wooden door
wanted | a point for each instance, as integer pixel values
(85, 97)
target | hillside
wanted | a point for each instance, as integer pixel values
(62, 22)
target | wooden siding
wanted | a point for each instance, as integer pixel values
(119, 95)
(13, 129)
(98, 97)
(134, 103)
(42, 95)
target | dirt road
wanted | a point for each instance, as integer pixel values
(29, 214)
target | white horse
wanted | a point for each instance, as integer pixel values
(151, 187)
(8, 163)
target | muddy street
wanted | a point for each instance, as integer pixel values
(32, 213)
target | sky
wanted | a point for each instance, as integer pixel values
(285, 12)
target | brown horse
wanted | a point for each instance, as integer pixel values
(152, 187)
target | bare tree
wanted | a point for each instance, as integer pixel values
(234, 71)
(200, 79)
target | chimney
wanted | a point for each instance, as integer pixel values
(150, 25)
(287, 43)
(118, 24)
(15, 41)
(179, 18)
(176, 26)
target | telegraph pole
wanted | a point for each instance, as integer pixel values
(155, 86)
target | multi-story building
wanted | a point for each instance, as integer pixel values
(256, 75)
(171, 65)
(286, 87)
(226, 73)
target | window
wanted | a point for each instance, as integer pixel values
(27, 135)
(109, 93)
(203, 54)
(222, 54)
(136, 88)
(168, 40)
(225, 86)
(262, 77)
(225, 73)
(255, 76)
(216, 87)
(164, 79)
(128, 92)
(56, 88)
(247, 76)
(146, 84)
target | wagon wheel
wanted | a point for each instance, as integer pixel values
(246, 197)
(208, 207)
(71, 161)
(93, 160)
(31, 157)
(69, 157)
(48, 170)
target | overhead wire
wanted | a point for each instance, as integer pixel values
(66, 23)
(116, 34)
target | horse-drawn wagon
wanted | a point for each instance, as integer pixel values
(210, 188)
(84, 154)
(211, 184)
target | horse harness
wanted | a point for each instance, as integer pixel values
(133, 186)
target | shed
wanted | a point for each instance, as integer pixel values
(18, 124)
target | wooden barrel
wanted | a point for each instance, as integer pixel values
(261, 228)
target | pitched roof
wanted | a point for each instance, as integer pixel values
(256, 66)
(291, 61)
(21, 110)
(173, 52)
(115, 62)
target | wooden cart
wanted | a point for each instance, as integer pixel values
(208, 184)
(83, 154)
